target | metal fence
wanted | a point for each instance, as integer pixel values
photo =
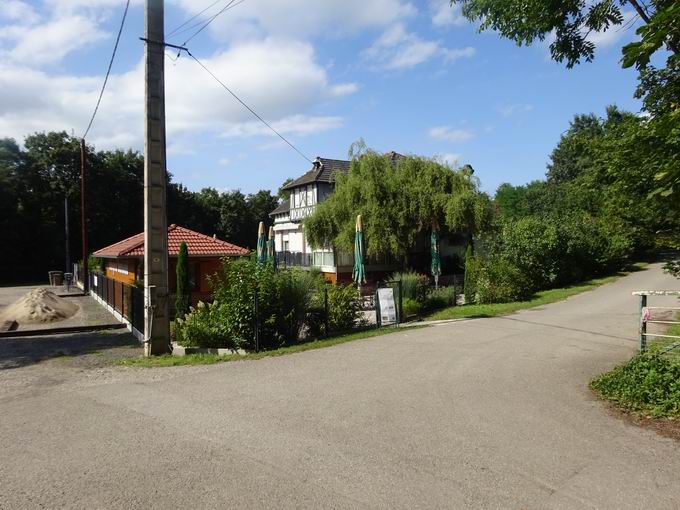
(664, 343)
(127, 300)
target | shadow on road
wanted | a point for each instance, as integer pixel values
(22, 351)
(566, 328)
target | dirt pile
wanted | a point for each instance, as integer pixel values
(39, 306)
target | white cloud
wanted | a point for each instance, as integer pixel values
(445, 14)
(300, 18)
(511, 109)
(293, 124)
(450, 159)
(397, 48)
(49, 42)
(450, 135)
(280, 79)
(16, 10)
(223, 161)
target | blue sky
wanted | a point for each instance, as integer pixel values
(413, 77)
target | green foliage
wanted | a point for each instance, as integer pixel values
(183, 284)
(443, 297)
(472, 266)
(204, 326)
(647, 383)
(95, 264)
(413, 285)
(284, 300)
(35, 179)
(525, 21)
(411, 307)
(499, 281)
(397, 199)
(344, 310)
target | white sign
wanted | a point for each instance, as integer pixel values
(96, 283)
(388, 312)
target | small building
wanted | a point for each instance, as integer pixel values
(124, 260)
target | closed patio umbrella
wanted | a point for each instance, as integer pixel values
(271, 249)
(436, 266)
(261, 245)
(359, 272)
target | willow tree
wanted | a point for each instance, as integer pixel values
(398, 199)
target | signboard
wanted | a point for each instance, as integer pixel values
(388, 311)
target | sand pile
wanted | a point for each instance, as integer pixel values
(39, 305)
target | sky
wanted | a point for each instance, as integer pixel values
(410, 76)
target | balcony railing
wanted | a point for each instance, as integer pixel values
(299, 213)
(294, 259)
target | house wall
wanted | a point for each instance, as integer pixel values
(121, 270)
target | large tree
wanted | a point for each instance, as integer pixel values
(397, 202)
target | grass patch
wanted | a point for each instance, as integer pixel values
(648, 384)
(541, 298)
(169, 360)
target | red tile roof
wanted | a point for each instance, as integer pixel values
(197, 244)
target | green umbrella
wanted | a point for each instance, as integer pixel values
(261, 245)
(436, 267)
(359, 272)
(271, 249)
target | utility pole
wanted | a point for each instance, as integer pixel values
(157, 324)
(67, 236)
(83, 216)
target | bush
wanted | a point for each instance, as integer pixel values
(410, 307)
(344, 309)
(499, 281)
(648, 383)
(284, 299)
(413, 285)
(205, 326)
(443, 297)
(472, 265)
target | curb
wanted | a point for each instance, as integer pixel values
(58, 331)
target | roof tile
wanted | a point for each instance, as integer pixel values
(197, 244)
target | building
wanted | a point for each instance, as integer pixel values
(312, 188)
(124, 261)
(289, 237)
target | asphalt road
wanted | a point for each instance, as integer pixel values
(491, 413)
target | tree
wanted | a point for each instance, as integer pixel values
(397, 202)
(572, 21)
(183, 281)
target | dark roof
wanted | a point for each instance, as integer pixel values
(323, 170)
(197, 244)
(284, 207)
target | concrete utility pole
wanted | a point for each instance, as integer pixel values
(157, 324)
(83, 217)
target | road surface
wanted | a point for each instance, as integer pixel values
(490, 413)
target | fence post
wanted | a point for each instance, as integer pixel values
(643, 323)
(400, 307)
(325, 307)
(377, 310)
(256, 309)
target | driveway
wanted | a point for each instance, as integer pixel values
(490, 413)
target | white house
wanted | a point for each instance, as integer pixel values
(305, 192)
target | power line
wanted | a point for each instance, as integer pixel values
(248, 107)
(230, 5)
(193, 18)
(108, 71)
